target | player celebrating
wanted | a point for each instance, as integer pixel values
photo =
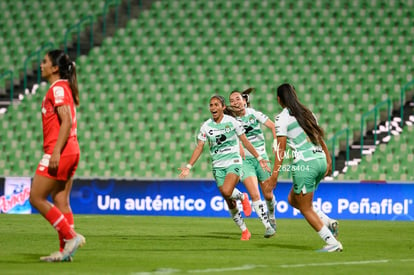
(54, 174)
(296, 126)
(223, 133)
(252, 173)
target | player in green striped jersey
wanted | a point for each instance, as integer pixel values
(252, 173)
(223, 133)
(297, 127)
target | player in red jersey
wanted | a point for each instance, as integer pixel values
(54, 174)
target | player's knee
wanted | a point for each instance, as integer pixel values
(226, 193)
(34, 200)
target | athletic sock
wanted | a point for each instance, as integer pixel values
(271, 207)
(325, 219)
(59, 222)
(260, 211)
(237, 218)
(237, 195)
(327, 236)
(69, 218)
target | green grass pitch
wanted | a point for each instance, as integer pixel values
(191, 245)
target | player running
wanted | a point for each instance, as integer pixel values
(297, 127)
(252, 173)
(223, 133)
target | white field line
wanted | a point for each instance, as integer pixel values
(250, 267)
(237, 268)
(208, 270)
(344, 263)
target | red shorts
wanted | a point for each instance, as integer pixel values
(66, 169)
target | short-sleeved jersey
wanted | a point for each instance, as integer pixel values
(223, 140)
(251, 122)
(59, 94)
(297, 139)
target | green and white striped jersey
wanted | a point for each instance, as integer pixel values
(251, 122)
(223, 140)
(297, 139)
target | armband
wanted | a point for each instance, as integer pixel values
(259, 158)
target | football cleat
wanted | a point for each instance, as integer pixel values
(55, 257)
(272, 222)
(269, 232)
(247, 208)
(245, 235)
(72, 245)
(331, 248)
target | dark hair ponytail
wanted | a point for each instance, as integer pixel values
(67, 70)
(246, 96)
(303, 115)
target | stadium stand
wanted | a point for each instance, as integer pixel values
(392, 161)
(27, 26)
(145, 90)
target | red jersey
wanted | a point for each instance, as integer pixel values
(58, 94)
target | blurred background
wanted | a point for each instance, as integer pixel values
(146, 70)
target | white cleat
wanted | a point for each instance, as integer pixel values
(72, 245)
(331, 248)
(269, 232)
(56, 256)
(272, 222)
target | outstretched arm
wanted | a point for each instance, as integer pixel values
(194, 157)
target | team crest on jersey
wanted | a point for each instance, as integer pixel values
(227, 129)
(59, 94)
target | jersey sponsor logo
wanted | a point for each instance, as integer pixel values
(222, 150)
(220, 139)
(59, 94)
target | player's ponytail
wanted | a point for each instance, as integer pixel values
(246, 96)
(73, 82)
(67, 70)
(303, 115)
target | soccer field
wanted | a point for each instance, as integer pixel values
(185, 245)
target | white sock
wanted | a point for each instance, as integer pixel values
(237, 195)
(325, 219)
(271, 207)
(327, 236)
(237, 218)
(260, 211)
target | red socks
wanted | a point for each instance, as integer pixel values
(61, 223)
(69, 218)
